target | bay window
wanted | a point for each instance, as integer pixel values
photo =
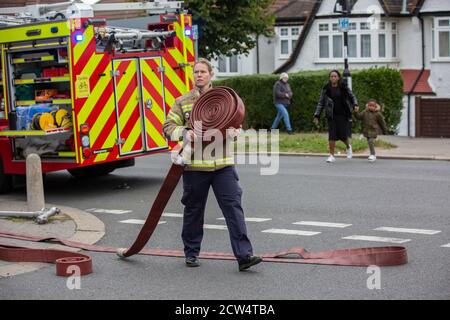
(365, 40)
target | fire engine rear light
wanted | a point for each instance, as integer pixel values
(85, 142)
(187, 32)
(87, 152)
(84, 128)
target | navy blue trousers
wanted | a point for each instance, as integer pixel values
(228, 193)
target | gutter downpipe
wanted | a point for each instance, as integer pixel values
(419, 76)
(257, 54)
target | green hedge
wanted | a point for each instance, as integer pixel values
(383, 84)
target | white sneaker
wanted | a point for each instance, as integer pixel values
(331, 158)
(349, 152)
(372, 158)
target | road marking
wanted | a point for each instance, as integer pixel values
(249, 219)
(405, 230)
(112, 211)
(323, 224)
(292, 232)
(446, 245)
(138, 221)
(215, 226)
(378, 239)
(175, 215)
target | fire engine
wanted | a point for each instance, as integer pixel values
(85, 96)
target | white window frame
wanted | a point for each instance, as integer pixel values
(435, 33)
(385, 28)
(228, 66)
(290, 38)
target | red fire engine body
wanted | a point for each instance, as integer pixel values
(87, 97)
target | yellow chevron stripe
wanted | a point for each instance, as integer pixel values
(190, 46)
(132, 138)
(94, 97)
(178, 56)
(81, 46)
(130, 107)
(156, 109)
(186, 41)
(155, 134)
(94, 60)
(170, 100)
(103, 117)
(109, 143)
(125, 80)
(156, 83)
(172, 75)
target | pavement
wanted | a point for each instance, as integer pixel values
(407, 148)
(72, 224)
(80, 226)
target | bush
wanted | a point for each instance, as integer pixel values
(383, 84)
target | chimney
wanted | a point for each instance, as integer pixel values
(404, 8)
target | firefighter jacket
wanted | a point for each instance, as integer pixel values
(202, 157)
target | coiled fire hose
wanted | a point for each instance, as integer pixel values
(219, 108)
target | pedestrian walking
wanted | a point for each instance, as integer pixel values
(207, 170)
(373, 124)
(338, 101)
(282, 97)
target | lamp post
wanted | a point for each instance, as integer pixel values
(347, 77)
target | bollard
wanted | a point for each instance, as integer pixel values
(35, 186)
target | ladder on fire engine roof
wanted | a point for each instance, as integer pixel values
(80, 9)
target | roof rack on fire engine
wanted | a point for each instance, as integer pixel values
(128, 40)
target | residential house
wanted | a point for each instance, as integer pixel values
(412, 36)
(270, 52)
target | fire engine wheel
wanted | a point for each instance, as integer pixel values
(91, 172)
(6, 182)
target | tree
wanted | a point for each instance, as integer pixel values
(229, 27)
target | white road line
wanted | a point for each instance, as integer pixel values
(215, 226)
(377, 239)
(112, 211)
(405, 230)
(446, 245)
(249, 219)
(138, 221)
(323, 224)
(175, 215)
(292, 232)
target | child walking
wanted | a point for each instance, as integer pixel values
(373, 124)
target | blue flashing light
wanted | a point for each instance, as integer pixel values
(54, 30)
(187, 32)
(79, 37)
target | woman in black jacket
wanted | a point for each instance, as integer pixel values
(339, 102)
